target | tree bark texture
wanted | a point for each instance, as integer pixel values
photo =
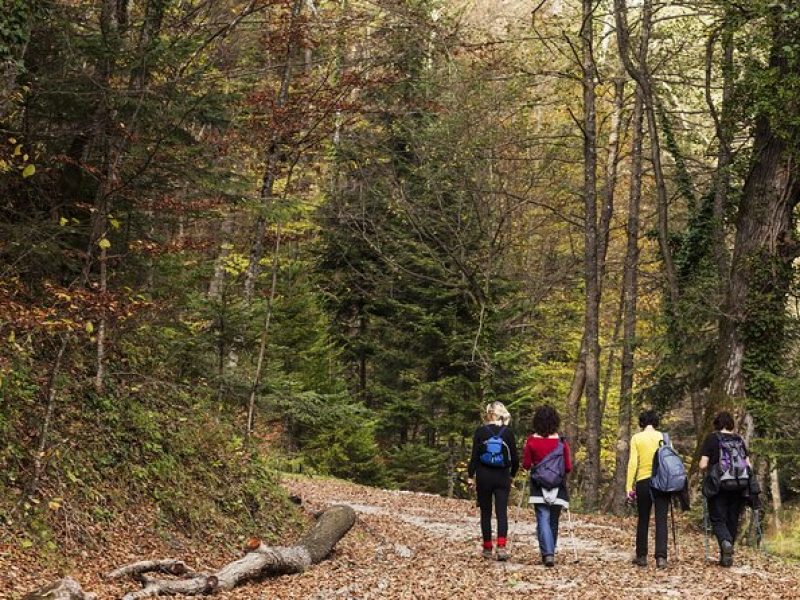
(641, 74)
(630, 279)
(752, 327)
(63, 589)
(591, 323)
(260, 561)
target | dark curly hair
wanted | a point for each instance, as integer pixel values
(649, 417)
(546, 420)
(724, 420)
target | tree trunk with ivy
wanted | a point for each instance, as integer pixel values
(753, 323)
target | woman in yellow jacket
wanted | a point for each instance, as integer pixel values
(640, 467)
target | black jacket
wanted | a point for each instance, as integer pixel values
(483, 433)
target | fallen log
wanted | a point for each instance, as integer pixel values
(63, 589)
(260, 561)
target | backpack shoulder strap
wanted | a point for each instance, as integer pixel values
(665, 438)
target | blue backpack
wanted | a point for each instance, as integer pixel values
(669, 474)
(550, 472)
(495, 450)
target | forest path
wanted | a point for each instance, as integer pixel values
(408, 545)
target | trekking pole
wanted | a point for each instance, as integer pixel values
(759, 532)
(516, 514)
(674, 536)
(705, 526)
(572, 536)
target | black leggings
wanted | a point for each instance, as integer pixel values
(646, 497)
(724, 510)
(493, 484)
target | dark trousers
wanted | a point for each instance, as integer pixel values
(493, 484)
(646, 497)
(723, 512)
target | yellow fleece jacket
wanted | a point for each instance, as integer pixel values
(640, 463)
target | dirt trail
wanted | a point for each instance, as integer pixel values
(408, 546)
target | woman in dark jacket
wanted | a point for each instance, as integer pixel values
(547, 502)
(494, 464)
(724, 505)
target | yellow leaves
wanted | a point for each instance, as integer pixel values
(16, 158)
(236, 264)
(114, 223)
(104, 244)
(89, 327)
(55, 504)
(63, 221)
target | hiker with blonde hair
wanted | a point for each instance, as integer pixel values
(493, 465)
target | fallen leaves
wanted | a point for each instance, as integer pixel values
(419, 546)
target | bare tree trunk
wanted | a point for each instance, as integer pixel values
(262, 350)
(591, 323)
(574, 398)
(641, 74)
(775, 494)
(44, 431)
(630, 292)
(225, 247)
(724, 132)
(276, 156)
(606, 213)
(113, 24)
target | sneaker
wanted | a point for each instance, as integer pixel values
(502, 553)
(549, 560)
(661, 562)
(726, 553)
(487, 553)
(640, 561)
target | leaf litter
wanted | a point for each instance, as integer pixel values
(420, 546)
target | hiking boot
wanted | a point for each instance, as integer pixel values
(640, 561)
(549, 560)
(502, 553)
(487, 553)
(661, 562)
(726, 553)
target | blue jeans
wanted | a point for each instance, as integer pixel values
(547, 516)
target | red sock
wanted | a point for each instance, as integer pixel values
(501, 542)
(487, 545)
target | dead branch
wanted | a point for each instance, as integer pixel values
(260, 561)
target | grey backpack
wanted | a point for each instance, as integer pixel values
(669, 474)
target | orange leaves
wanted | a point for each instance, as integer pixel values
(60, 309)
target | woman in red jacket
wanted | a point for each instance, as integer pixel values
(547, 502)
